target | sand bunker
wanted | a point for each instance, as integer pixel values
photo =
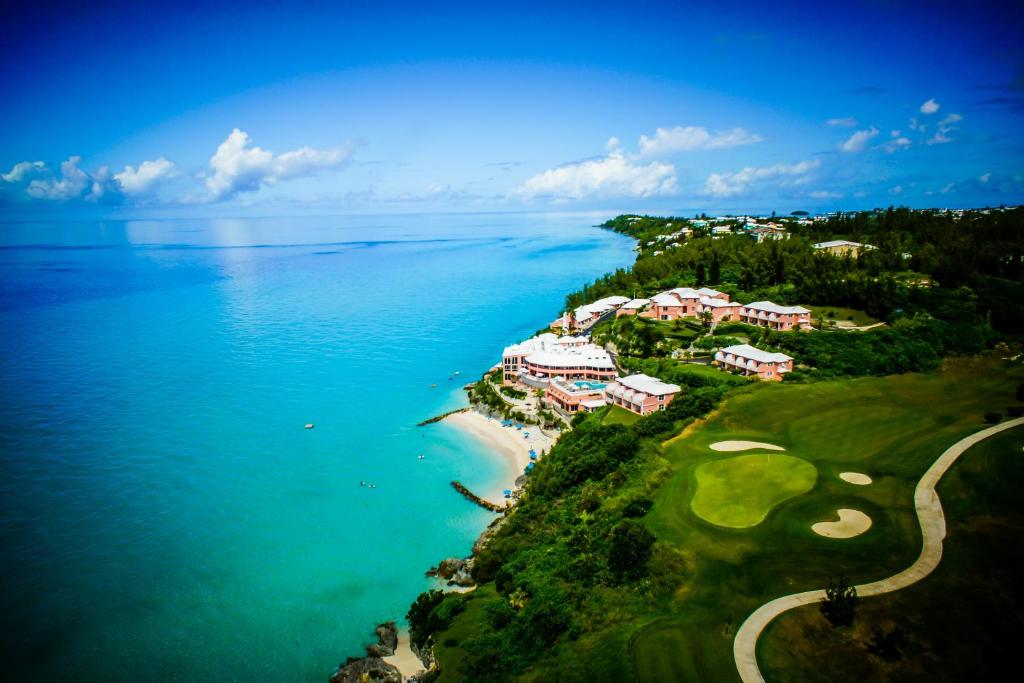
(851, 523)
(744, 446)
(855, 478)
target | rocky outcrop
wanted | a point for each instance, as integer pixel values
(387, 641)
(487, 534)
(362, 670)
(455, 571)
(372, 667)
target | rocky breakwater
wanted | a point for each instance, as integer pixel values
(372, 667)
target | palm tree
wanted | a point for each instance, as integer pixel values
(706, 317)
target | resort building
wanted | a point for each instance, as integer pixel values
(843, 247)
(721, 309)
(748, 360)
(570, 397)
(586, 316)
(632, 307)
(665, 306)
(681, 302)
(775, 317)
(513, 358)
(640, 394)
(768, 232)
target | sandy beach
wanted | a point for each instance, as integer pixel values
(509, 442)
(407, 663)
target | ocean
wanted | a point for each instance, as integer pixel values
(165, 515)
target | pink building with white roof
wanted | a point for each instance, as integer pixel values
(640, 394)
(535, 361)
(748, 360)
(575, 396)
(681, 302)
(633, 307)
(775, 317)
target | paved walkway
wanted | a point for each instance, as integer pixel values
(933, 531)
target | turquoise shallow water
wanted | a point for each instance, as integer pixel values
(163, 513)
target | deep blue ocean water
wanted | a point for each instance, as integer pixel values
(164, 515)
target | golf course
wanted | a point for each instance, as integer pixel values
(781, 488)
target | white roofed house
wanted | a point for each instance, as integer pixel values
(665, 306)
(775, 317)
(748, 360)
(843, 247)
(640, 394)
(513, 358)
(720, 309)
(586, 316)
(632, 307)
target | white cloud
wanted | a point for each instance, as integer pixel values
(939, 138)
(731, 184)
(692, 138)
(610, 176)
(985, 177)
(70, 185)
(930, 107)
(825, 194)
(25, 170)
(949, 120)
(859, 140)
(238, 167)
(146, 177)
(612, 145)
(895, 190)
(896, 144)
(845, 122)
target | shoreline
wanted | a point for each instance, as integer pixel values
(509, 443)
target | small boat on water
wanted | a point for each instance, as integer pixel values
(456, 372)
(420, 456)
(309, 425)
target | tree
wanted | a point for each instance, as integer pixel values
(422, 620)
(701, 275)
(630, 549)
(840, 602)
(706, 317)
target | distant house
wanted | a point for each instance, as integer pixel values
(768, 232)
(843, 247)
(640, 394)
(748, 360)
(775, 317)
(632, 307)
(534, 361)
(586, 316)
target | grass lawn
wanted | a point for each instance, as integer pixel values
(838, 313)
(711, 372)
(740, 491)
(620, 416)
(962, 622)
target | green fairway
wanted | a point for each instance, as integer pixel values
(890, 428)
(739, 492)
(976, 586)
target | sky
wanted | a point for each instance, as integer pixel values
(169, 109)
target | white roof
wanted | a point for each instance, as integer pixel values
(686, 293)
(636, 303)
(588, 355)
(543, 342)
(707, 291)
(665, 299)
(648, 385)
(841, 243)
(717, 303)
(770, 307)
(748, 352)
(594, 403)
(600, 306)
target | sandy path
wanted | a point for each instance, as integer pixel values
(407, 663)
(933, 531)
(509, 442)
(851, 523)
(855, 478)
(744, 446)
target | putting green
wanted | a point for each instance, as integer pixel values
(739, 492)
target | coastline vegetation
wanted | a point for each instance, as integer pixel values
(636, 550)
